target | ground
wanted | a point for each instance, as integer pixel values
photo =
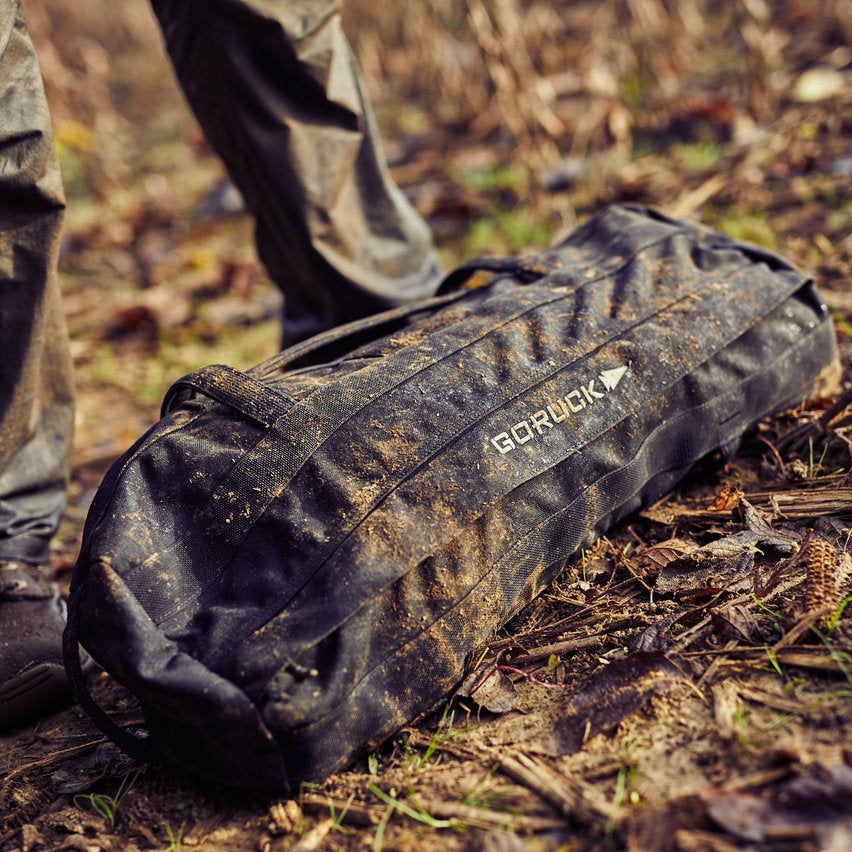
(686, 684)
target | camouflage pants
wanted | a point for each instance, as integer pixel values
(275, 89)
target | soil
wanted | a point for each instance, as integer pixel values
(685, 684)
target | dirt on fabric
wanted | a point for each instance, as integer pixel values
(686, 683)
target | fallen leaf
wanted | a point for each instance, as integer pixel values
(734, 622)
(613, 692)
(826, 787)
(81, 771)
(706, 574)
(766, 535)
(490, 688)
(138, 320)
(496, 693)
(813, 805)
(659, 555)
(729, 560)
(742, 814)
(728, 498)
(652, 638)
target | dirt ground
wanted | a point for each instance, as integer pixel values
(686, 684)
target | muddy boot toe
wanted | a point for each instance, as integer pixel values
(32, 618)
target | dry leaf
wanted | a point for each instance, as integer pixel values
(704, 574)
(813, 806)
(727, 499)
(496, 693)
(652, 638)
(725, 707)
(659, 555)
(734, 622)
(490, 688)
(613, 692)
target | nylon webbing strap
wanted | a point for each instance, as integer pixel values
(141, 750)
(336, 338)
(238, 390)
(526, 270)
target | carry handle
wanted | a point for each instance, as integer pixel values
(139, 749)
(341, 337)
(527, 270)
(233, 388)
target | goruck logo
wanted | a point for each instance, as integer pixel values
(558, 410)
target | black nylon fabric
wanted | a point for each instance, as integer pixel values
(325, 557)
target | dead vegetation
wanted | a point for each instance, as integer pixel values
(687, 683)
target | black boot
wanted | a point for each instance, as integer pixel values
(32, 618)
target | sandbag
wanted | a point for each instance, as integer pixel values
(300, 558)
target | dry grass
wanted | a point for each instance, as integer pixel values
(536, 80)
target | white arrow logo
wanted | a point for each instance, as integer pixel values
(611, 378)
(538, 424)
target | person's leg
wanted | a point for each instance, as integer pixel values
(36, 390)
(276, 90)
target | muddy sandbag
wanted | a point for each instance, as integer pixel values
(299, 559)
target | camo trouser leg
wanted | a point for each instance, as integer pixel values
(274, 85)
(36, 394)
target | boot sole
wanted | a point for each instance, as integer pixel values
(30, 694)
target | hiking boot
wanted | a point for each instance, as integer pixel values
(32, 618)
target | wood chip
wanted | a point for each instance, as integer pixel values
(725, 707)
(315, 837)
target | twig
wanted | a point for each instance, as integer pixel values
(558, 627)
(715, 665)
(773, 449)
(799, 434)
(799, 629)
(568, 796)
(560, 648)
(803, 656)
(807, 501)
(757, 779)
(692, 634)
(530, 676)
(690, 200)
(53, 757)
(357, 813)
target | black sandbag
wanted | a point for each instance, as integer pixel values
(297, 560)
